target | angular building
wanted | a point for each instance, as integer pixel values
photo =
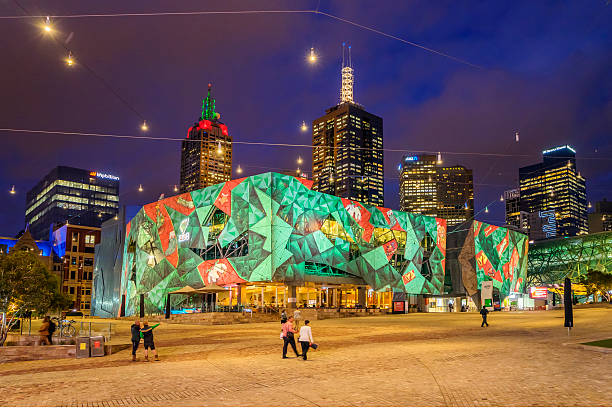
(68, 194)
(441, 191)
(270, 240)
(555, 188)
(347, 158)
(206, 152)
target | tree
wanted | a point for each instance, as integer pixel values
(26, 285)
(597, 282)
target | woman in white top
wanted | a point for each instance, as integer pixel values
(305, 338)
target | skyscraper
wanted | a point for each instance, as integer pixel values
(68, 194)
(556, 187)
(347, 158)
(206, 152)
(515, 218)
(428, 188)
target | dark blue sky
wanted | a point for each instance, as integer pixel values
(546, 73)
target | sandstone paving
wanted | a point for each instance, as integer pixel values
(437, 359)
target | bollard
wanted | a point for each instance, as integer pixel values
(110, 329)
(89, 329)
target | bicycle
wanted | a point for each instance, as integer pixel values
(65, 328)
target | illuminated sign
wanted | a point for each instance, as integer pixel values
(549, 223)
(184, 237)
(555, 149)
(538, 292)
(411, 158)
(103, 175)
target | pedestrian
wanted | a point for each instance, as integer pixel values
(297, 316)
(450, 305)
(484, 312)
(146, 333)
(43, 332)
(283, 317)
(305, 338)
(288, 337)
(52, 328)
(135, 329)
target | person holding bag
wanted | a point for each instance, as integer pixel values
(288, 337)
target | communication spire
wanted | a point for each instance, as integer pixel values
(208, 106)
(347, 77)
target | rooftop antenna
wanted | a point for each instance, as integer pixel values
(347, 76)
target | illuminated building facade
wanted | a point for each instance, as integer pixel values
(555, 185)
(601, 219)
(206, 152)
(431, 189)
(347, 158)
(270, 240)
(81, 197)
(75, 246)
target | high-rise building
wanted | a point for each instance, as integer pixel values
(515, 218)
(556, 185)
(347, 158)
(75, 245)
(601, 219)
(68, 194)
(428, 188)
(206, 152)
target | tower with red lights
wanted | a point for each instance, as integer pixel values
(206, 152)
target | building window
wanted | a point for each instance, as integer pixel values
(72, 275)
(75, 236)
(73, 260)
(90, 239)
(88, 262)
(74, 248)
(72, 290)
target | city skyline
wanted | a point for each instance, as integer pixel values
(419, 96)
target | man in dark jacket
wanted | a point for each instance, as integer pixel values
(146, 332)
(135, 338)
(484, 312)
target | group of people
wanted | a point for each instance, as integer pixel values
(289, 328)
(145, 332)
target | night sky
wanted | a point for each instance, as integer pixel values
(546, 72)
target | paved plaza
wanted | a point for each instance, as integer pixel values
(523, 358)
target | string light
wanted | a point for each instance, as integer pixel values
(144, 127)
(487, 209)
(219, 149)
(116, 217)
(13, 190)
(312, 58)
(239, 170)
(140, 188)
(70, 60)
(298, 171)
(304, 127)
(47, 25)
(590, 206)
(299, 160)
(501, 198)
(439, 158)
(99, 215)
(175, 188)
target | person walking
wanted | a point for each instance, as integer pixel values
(52, 328)
(43, 332)
(305, 339)
(283, 317)
(484, 312)
(146, 333)
(297, 316)
(288, 337)
(135, 329)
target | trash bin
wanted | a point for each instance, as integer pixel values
(82, 347)
(96, 344)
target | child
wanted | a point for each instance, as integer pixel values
(146, 333)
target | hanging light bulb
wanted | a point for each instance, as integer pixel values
(439, 158)
(116, 217)
(144, 127)
(590, 206)
(486, 209)
(465, 206)
(429, 179)
(239, 170)
(140, 188)
(298, 170)
(299, 160)
(14, 192)
(99, 215)
(516, 136)
(304, 127)
(175, 188)
(501, 197)
(219, 149)
(312, 58)
(47, 25)
(70, 60)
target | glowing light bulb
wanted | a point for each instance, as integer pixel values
(590, 206)
(304, 127)
(298, 171)
(501, 198)
(175, 188)
(144, 127)
(439, 158)
(13, 190)
(486, 209)
(299, 160)
(47, 25)
(116, 217)
(99, 215)
(219, 149)
(239, 170)
(516, 136)
(70, 60)
(312, 58)
(140, 188)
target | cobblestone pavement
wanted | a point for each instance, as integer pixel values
(523, 358)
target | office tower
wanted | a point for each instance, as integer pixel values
(347, 158)
(515, 218)
(76, 196)
(206, 152)
(428, 188)
(601, 219)
(75, 245)
(556, 185)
